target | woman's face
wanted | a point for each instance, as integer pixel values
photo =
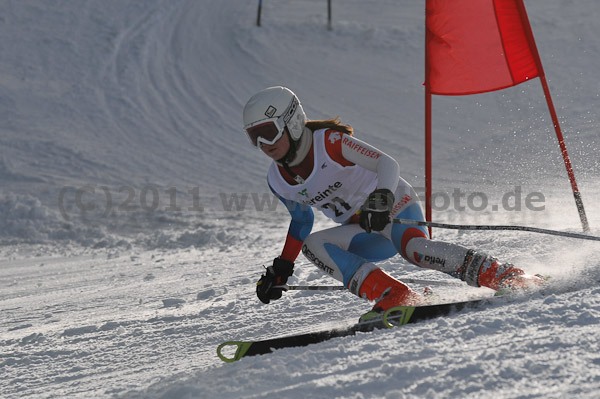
(279, 149)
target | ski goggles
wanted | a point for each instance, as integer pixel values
(266, 131)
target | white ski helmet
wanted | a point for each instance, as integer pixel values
(269, 111)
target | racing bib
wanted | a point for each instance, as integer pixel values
(338, 191)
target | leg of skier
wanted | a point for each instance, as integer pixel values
(347, 254)
(475, 268)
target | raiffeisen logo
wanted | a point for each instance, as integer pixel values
(360, 149)
(321, 195)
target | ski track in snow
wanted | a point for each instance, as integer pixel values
(129, 299)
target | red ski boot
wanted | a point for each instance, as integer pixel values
(485, 271)
(387, 292)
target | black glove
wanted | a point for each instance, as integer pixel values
(276, 275)
(375, 212)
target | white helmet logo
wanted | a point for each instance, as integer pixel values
(270, 111)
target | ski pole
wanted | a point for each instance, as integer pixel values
(495, 227)
(311, 287)
(431, 282)
(341, 287)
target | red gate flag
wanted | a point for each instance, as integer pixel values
(476, 46)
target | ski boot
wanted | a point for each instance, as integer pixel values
(480, 270)
(388, 293)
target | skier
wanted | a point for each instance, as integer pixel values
(319, 164)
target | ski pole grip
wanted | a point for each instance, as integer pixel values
(242, 348)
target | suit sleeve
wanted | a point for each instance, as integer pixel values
(300, 227)
(348, 150)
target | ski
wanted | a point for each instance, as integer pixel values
(394, 317)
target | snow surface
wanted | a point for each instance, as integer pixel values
(128, 253)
